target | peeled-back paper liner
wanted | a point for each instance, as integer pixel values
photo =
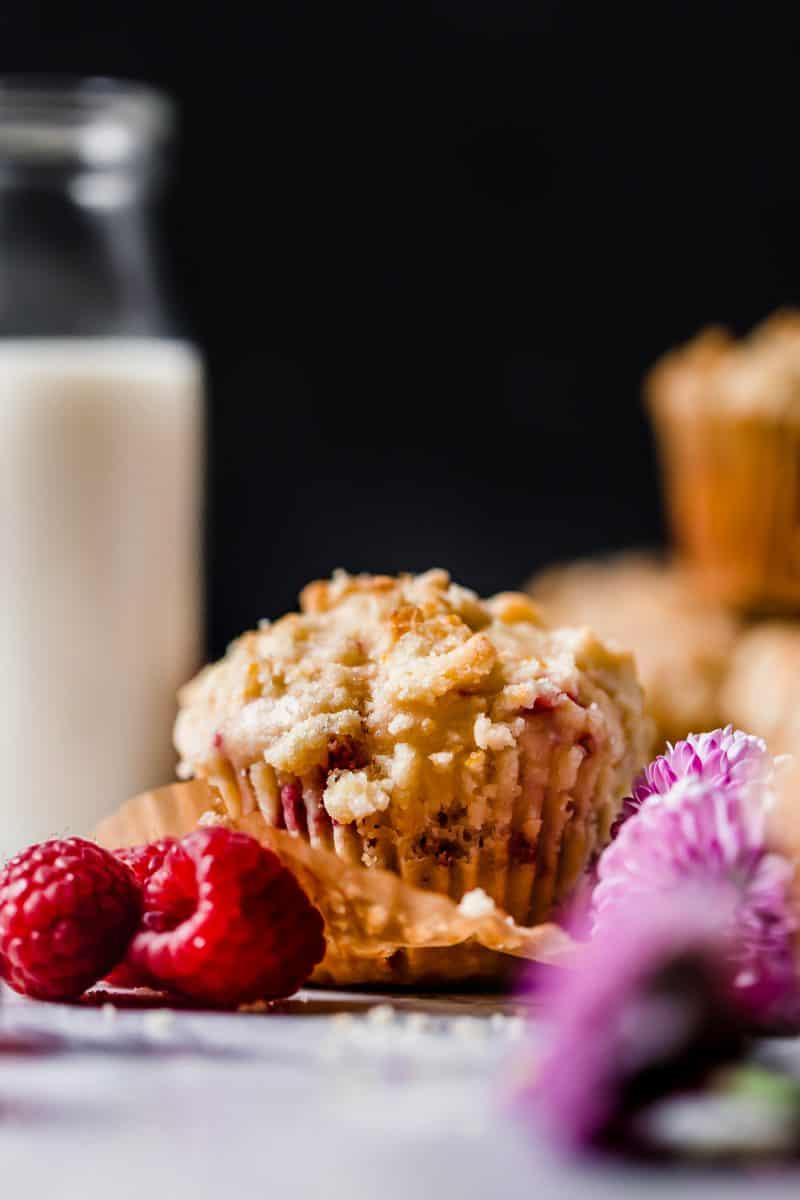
(369, 913)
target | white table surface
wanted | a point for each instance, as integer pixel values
(316, 1099)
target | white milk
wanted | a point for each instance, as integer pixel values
(100, 462)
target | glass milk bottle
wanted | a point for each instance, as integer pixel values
(100, 459)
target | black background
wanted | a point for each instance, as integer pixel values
(430, 252)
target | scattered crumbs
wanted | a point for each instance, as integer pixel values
(381, 1014)
(159, 1022)
(476, 904)
(342, 1020)
(109, 1013)
(511, 1027)
(515, 1028)
(341, 1030)
(255, 1006)
(469, 1029)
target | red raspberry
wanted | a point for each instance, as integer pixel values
(143, 861)
(225, 922)
(68, 910)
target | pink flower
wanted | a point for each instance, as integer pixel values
(698, 817)
(723, 756)
(648, 1008)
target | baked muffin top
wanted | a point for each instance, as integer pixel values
(757, 373)
(378, 670)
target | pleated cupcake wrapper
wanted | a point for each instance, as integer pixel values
(533, 813)
(733, 493)
(370, 914)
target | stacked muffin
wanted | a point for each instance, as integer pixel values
(727, 415)
(727, 419)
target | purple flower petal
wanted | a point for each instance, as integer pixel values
(648, 1008)
(698, 816)
(722, 756)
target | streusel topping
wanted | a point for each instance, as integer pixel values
(378, 678)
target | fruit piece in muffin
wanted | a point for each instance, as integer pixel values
(406, 724)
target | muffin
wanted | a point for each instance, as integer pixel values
(762, 691)
(783, 832)
(681, 641)
(727, 416)
(405, 725)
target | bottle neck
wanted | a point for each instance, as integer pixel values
(80, 167)
(79, 258)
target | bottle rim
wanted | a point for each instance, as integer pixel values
(92, 121)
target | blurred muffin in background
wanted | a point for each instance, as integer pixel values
(681, 641)
(783, 832)
(727, 416)
(762, 691)
(405, 724)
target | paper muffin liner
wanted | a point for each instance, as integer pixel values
(733, 495)
(519, 822)
(379, 929)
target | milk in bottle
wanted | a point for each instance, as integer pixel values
(100, 461)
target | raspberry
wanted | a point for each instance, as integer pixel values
(68, 910)
(225, 922)
(143, 861)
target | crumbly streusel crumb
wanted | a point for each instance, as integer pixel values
(476, 904)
